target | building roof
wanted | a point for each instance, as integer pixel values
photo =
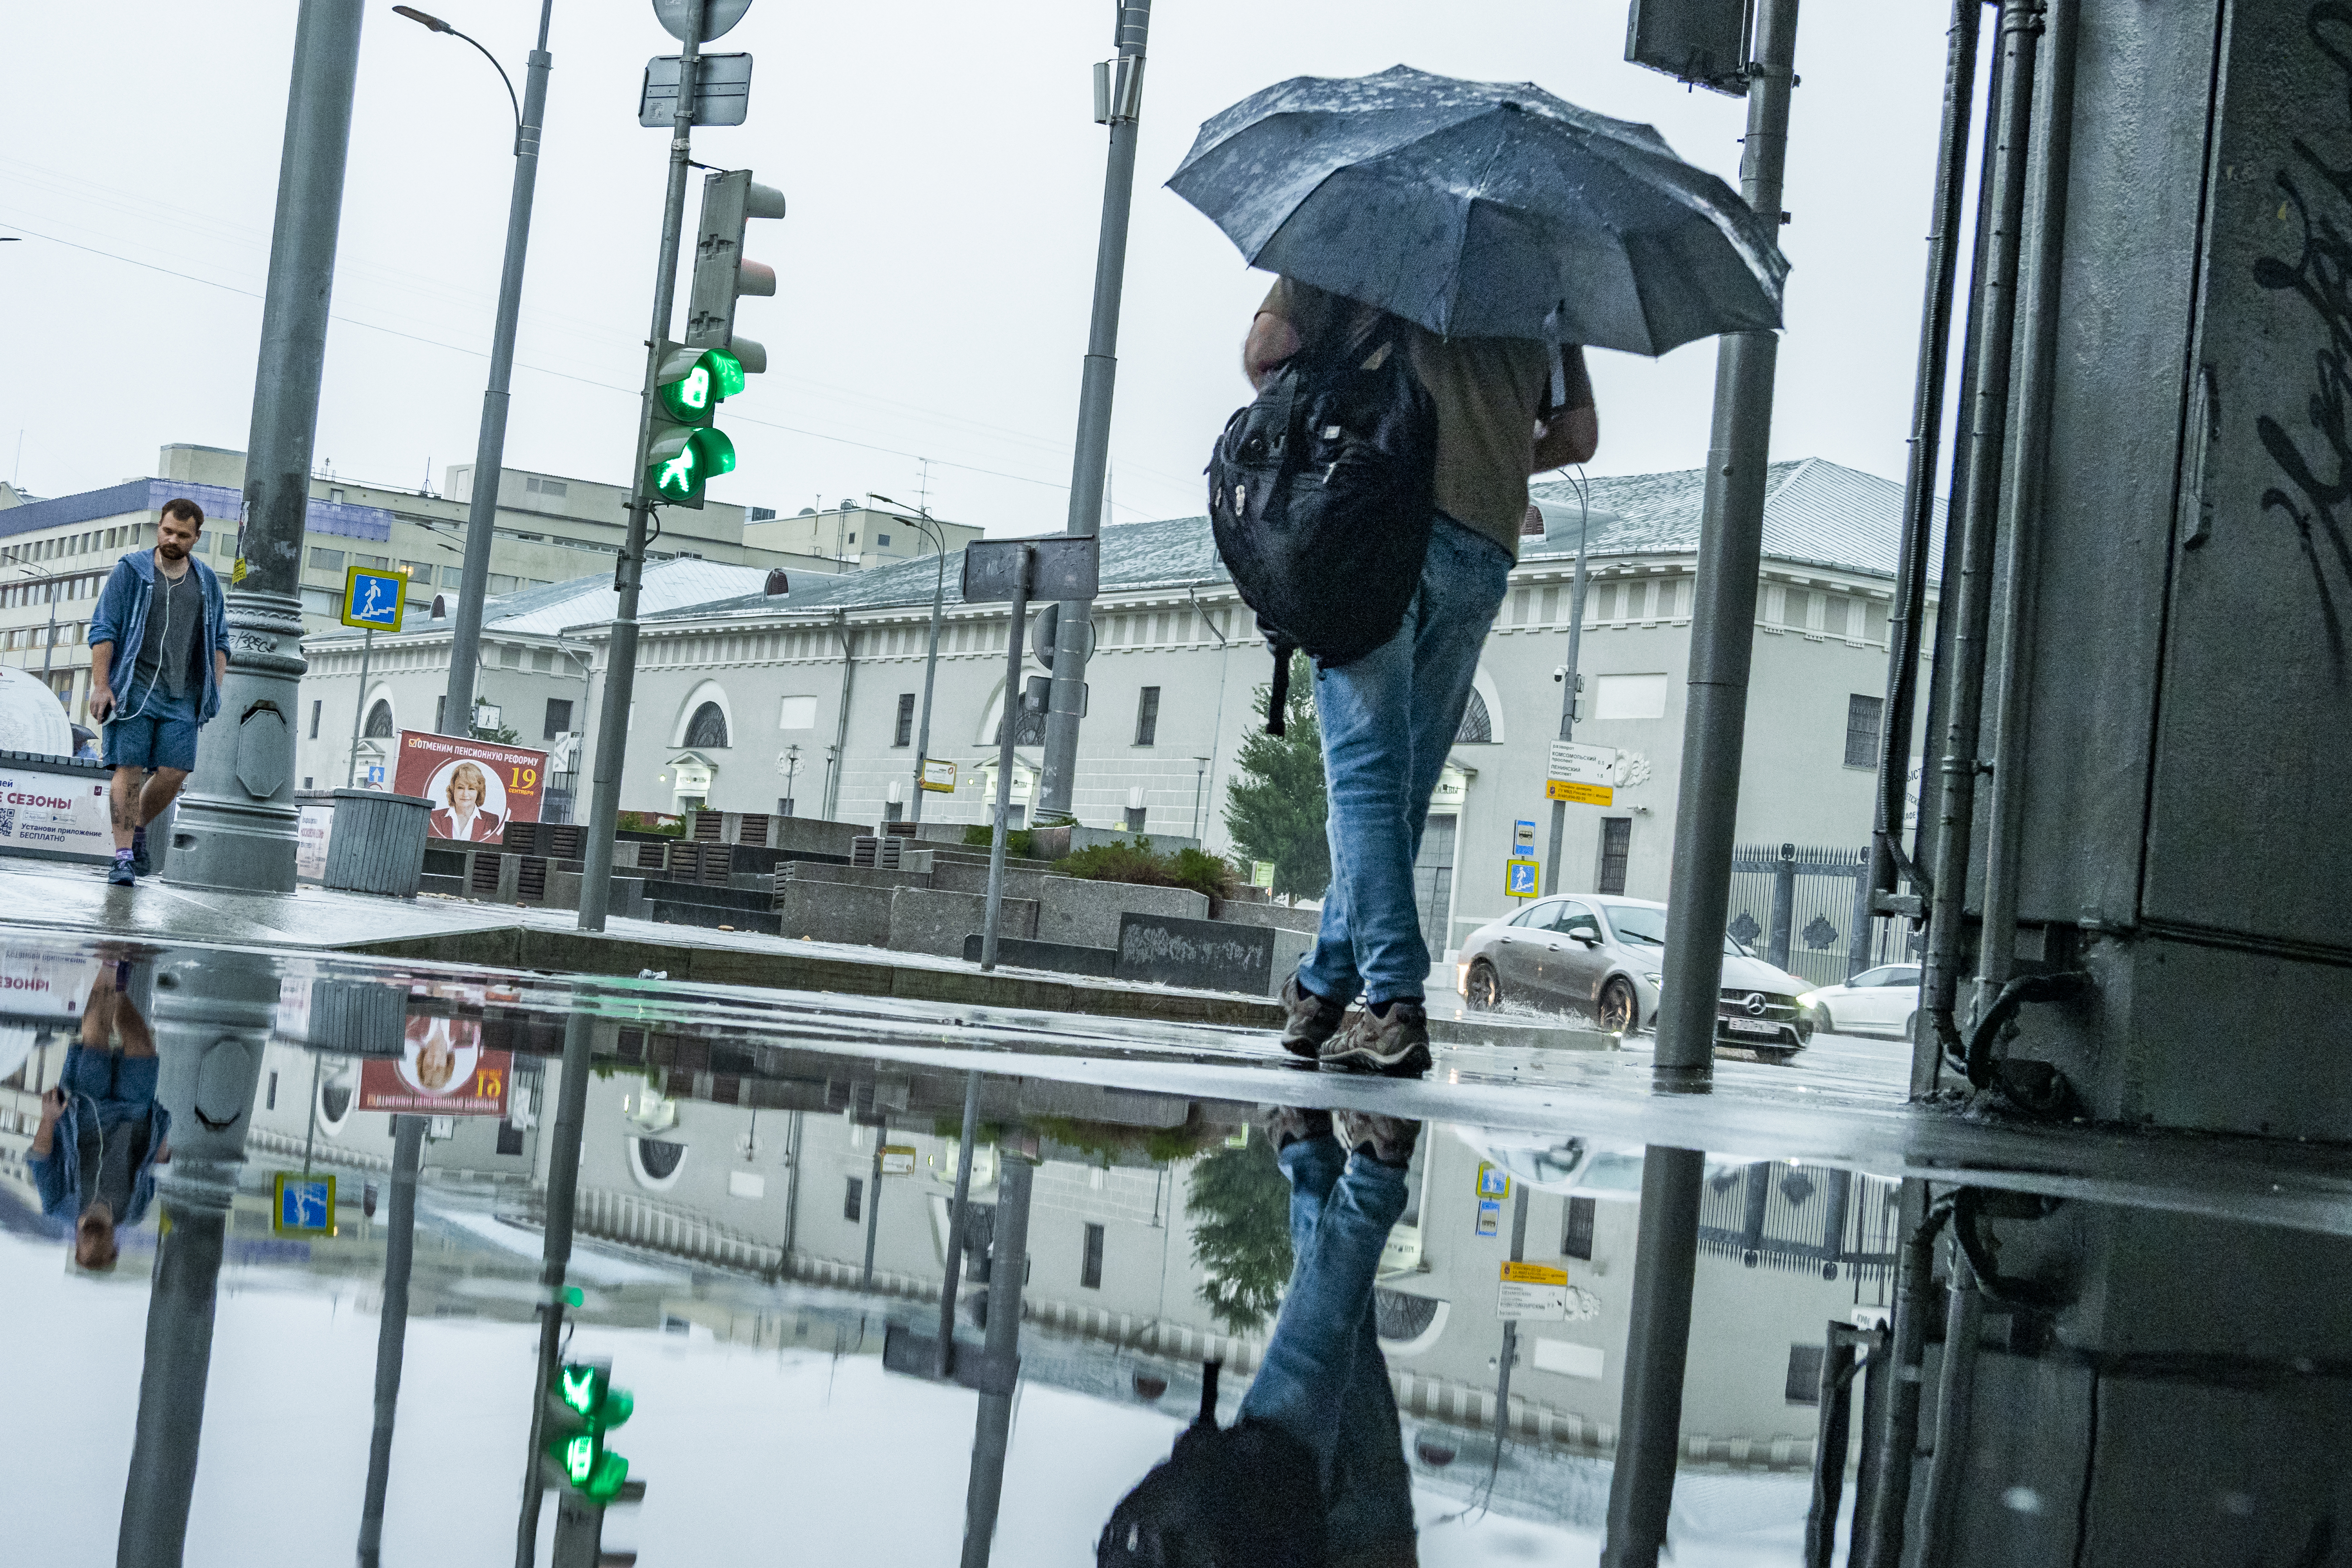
(1816, 513)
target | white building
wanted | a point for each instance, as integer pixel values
(813, 697)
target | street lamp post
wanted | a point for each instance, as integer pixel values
(489, 451)
(921, 518)
(792, 767)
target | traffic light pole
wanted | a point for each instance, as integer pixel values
(1058, 775)
(1569, 681)
(628, 577)
(489, 451)
(555, 1256)
(392, 1327)
(236, 820)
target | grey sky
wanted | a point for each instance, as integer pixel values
(945, 177)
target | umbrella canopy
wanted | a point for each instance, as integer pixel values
(1485, 209)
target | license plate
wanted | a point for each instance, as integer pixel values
(1751, 1026)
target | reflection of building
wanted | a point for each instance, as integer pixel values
(786, 1191)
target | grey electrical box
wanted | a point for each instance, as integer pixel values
(1702, 42)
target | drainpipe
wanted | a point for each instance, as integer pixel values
(841, 726)
(2046, 210)
(1882, 1506)
(1907, 616)
(2020, 29)
(1955, 1395)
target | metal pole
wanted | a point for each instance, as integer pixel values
(1010, 726)
(629, 572)
(489, 450)
(1939, 979)
(1955, 1395)
(955, 1225)
(873, 1208)
(1907, 616)
(359, 709)
(392, 1328)
(838, 755)
(1723, 626)
(555, 1256)
(931, 674)
(2045, 217)
(1649, 1431)
(1511, 1325)
(228, 836)
(1568, 683)
(993, 1430)
(1059, 770)
(49, 649)
(1882, 1506)
(1784, 908)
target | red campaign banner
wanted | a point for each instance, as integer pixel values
(477, 787)
(442, 1070)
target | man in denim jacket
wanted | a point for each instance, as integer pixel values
(102, 1135)
(160, 635)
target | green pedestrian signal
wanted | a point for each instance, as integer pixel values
(581, 1406)
(688, 451)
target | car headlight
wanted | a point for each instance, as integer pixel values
(1810, 999)
(1461, 980)
(1658, 980)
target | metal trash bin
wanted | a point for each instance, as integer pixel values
(377, 845)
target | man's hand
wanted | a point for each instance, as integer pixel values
(101, 702)
(53, 1105)
(1568, 437)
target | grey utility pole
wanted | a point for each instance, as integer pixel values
(489, 450)
(992, 1436)
(921, 519)
(1569, 683)
(1723, 639)
(628, 575)
(392, 1326)
(237, 814)
(555, 1254)
(1119, 100)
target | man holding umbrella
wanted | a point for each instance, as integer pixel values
(1493, 231)
(1506, 407)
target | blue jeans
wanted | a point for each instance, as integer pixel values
(1388, 719)
(1323, 1380)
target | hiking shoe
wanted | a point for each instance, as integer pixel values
(1312, 1019)
(1394, 1047)
(1286, 1124)
(1387, 1139)
(123, 875)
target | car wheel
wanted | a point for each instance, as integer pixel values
(1619, 1011)
(1822, 1022)
(1485, 986)
(1911, 1026)
(1776, 1056)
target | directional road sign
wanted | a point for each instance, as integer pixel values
(1578, 793)
(374, 598)
(722, 90)
(1061, 567)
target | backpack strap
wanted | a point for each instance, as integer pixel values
(1277, 695)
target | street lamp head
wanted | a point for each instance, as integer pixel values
(421, 19)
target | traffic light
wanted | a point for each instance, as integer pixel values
(688, 450)
(582, 1405)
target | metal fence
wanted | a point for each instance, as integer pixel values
(1806, 908)
(1780, 1215)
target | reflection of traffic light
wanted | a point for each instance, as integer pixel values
(688, 451)
(582, 1405)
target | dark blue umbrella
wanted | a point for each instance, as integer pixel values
(1485, 209)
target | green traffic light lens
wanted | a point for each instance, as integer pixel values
(579, 1388)
(718, 452)
(727, 369)
(580, 1460)
(610, 1472)
(689, 397)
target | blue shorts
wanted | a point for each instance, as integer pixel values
(121, 1087)
(161, 734)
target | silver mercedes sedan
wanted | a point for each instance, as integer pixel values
(1602, 958)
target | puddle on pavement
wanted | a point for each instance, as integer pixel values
(763, 1218)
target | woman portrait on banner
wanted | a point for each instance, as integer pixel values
(465, 810)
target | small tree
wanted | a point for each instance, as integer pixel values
(1278, 807)
(1241, 1240)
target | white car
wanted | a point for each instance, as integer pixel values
(1881, 1001)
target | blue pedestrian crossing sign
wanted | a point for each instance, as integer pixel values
(373, 598)
(302, 1205)
(1519, 878)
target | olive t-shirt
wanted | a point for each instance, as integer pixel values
(1489, 392)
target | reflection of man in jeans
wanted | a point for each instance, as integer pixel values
(1312, 1474)
(1505, 408)
(102, 1133)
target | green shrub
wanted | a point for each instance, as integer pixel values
(1193, 868)
(652, 822)
(1018, 843)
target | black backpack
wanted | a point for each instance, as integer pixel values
(1321, 493)
(1244, 1496)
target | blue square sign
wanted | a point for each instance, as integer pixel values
(1519, 878)
(373, 598)
(302, 1205)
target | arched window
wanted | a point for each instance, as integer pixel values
(1478, 726)
(658, 1160)
(708, 727)
(379, 721)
